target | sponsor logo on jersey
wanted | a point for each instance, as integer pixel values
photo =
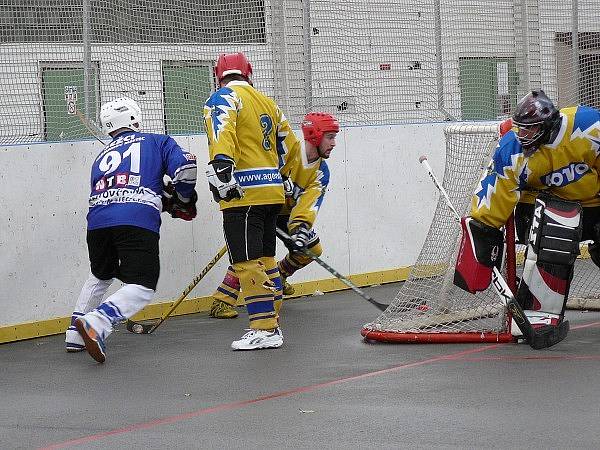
(258, 177)
(134, 180)
(125, 195)
(565, 175)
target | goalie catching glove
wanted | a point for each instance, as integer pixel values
(481, 248)
(221, 180)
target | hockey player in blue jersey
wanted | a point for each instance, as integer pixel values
(125, 204)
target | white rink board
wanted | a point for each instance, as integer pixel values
(375, 216)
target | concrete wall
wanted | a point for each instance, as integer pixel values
(375, 216)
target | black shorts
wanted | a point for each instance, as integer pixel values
(128, 253)
(250, 231)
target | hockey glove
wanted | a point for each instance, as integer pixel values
(185, 210)
(288, 187)
(167, 197)
(300, 236)
(221, 181)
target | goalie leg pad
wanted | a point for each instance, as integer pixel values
(552, 249)
(481, 248)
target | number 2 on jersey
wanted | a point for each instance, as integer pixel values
(267, 126)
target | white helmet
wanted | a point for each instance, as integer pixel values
(122, 112)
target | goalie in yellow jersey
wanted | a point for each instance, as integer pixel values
(554, 153)
(306, 176)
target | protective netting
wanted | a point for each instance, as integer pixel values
(370, 63)
(428, 306)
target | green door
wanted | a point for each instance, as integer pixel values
(186, 86)
(488, 87)
(59, 124)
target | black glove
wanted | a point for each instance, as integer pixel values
(167, 197)
(300, 236)
(221, 181)
(184, 210)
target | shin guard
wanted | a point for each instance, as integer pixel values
(273, 273)
(552, 248)
(259, 294)
(229, 289)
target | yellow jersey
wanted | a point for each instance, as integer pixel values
(245, 125)
(310, 184)
(568, 167)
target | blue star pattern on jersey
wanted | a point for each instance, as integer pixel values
(586, 126)
(505, 157)
(218, 107)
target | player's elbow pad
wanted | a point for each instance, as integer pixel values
(481, 248)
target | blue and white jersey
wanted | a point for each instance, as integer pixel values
(127, 180)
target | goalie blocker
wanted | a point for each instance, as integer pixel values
(552, 247)
(481, 248)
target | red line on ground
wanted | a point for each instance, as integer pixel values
(534, 357)
(585, 325)
(298, 390)
(241, 404)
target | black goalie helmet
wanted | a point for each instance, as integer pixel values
(535, 118)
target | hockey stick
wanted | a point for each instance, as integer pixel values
(88, 124)
(543, 337)
(147, 328)
(287, 238)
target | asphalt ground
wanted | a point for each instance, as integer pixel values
(183, 388)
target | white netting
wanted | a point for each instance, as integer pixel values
(428, 305)
(370, 63)
(428, 302)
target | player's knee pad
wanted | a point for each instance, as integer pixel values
(552, 248)
(481, 248)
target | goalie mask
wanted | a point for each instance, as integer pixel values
(316, 124)
(120, 113)
(233, 63)
(534, 119)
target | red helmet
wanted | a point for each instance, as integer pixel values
(229, 63)
(315, 124)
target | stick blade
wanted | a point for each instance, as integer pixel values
(139, 328)
(549, 335)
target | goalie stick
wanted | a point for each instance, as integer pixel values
(286, 237)
(538, 338)
(147, 328)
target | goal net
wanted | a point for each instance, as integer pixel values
(428, 307)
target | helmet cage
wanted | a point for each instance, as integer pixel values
(527, 139)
